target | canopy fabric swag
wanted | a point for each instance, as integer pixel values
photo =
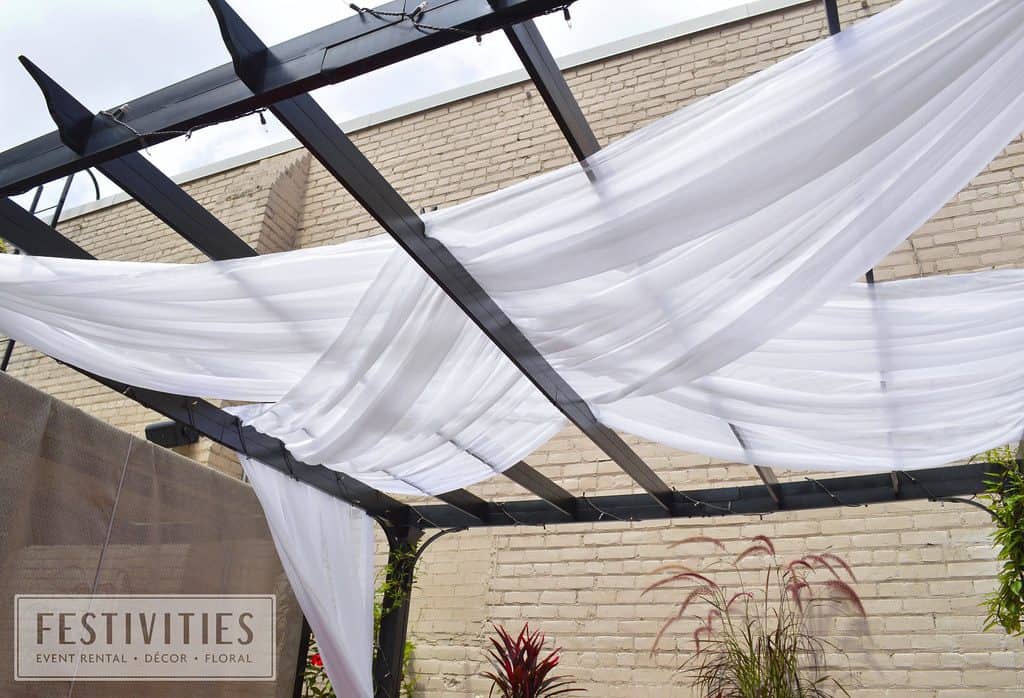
(695, 288)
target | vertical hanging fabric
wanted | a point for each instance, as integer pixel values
(326, 548)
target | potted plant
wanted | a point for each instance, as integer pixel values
(762, 637)
(520, 667)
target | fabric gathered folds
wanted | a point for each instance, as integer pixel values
(697, 286)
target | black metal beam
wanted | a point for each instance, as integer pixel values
(28, 233)
(329, 144)
(832, 14)
(467, 502)
(857, 490)
(766, 474)
(834, 27)
(522, 474)
(547, 77)
(331, 54)
(529, 479)
(226, 429)
(139, 177)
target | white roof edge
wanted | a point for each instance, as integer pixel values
(572, 60)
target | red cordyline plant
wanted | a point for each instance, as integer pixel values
(762, 638)
(519, 669)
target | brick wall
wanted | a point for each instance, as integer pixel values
(923, 566)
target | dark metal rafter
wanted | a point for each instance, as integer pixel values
(331, 54)
(329, 144)
(771, 482)
(835, 27)
(554, 90)
(28, 233)
(139, 177)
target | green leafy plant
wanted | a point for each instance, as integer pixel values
(520, 670)
(1005, 497)
(761, 638)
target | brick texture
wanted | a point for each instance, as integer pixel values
(923, 567)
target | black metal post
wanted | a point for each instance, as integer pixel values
(303, 658)
(59, 208)
(8, 350)
(394, 620)
(832, 13)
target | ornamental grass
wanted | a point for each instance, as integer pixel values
(763, 636)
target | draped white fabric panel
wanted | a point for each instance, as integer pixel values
(715, 228)
(905, 374)
(411, 397)
(245, 329)
(695, 291)
(326, 548)
(372, 369)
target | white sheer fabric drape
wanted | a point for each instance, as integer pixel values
(693, 241)
(905, 374)
(695, 289)
(326, 548)
(411, 397)
(371, 368)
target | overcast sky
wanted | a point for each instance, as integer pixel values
(106, 52)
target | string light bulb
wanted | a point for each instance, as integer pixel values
(568, 17)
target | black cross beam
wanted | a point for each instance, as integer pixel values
(328, 55)
(138, 177)
(547, 76)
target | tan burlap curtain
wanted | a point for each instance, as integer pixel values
(86, 508)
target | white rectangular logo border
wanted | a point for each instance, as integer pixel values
(132, 679)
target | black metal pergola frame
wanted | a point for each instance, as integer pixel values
(279, 78)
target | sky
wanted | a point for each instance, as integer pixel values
(106, 52)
